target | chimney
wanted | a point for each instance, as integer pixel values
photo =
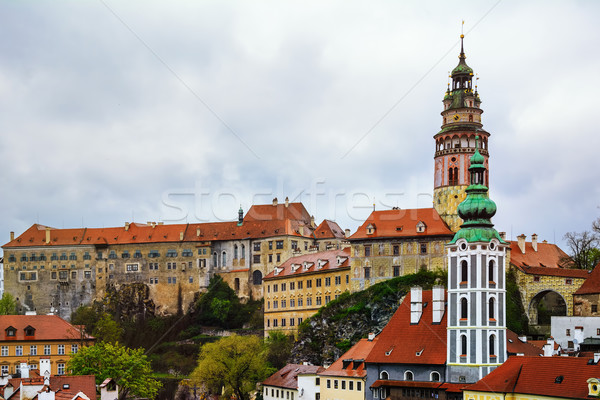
(371, 336)
(347, 233)
(549, 347)
(12, 236)
(126, 226)
(197, 231)
(596, 357)
(44, 366)
(438, 304)
(275, 201)
(287, 202)
(47, 235)
(312, 221)
(24, 370)
(181, 235)
(502, 235)
(416, 304)
(240, 216)
(521, 242)
(534, 241)
(301, 230)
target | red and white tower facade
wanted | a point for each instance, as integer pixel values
(455, 142)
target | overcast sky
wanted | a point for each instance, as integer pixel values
(179, 111)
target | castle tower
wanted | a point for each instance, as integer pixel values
(455, 142)
(476, 285)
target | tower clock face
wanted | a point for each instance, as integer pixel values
(456, 117)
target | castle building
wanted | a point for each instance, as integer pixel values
(455, 142)
(58, 270)
(296, 289)
(397, 242)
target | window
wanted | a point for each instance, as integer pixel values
(257, 278)
(300, 285)
(464, 308)
(270, 258)
(492, 308)
(396, 250)
(335, 383)
(271, 245)
(492, 347)
(132, 267)
(327, 299)
(275, 304)
(256, 258)
(33, 350)
(275, 288)
(338, 280)
(351, 385)
(47, 349)
(367, 272)
(60, 368)
(309, 301)
(171, 253)
(492, 271)
(294, 245)
(153, 254)
(137, 254)
(191, 280)
(300, 302)
(367, 251)
(299, 320)
(4, 369)
(224, 259)
(464, 271)
(594, 308)
(283, 303)
(423, 248)
(18, 350)
(74, 348)
(343, 385)
(359, 386)
(568, 332)
(292, 321)
(435, 376)
(408, 376)
(384, 375)
(328, 383)
(463, 345)
(279, 244)
(318, 282)
(568, 281)
(536, 278)
(125, 254)
(597, 331)
(318, 300)
(283, 285)
(292, 285)
(86, 274)
(256, 246)
(317, 381)
(4, 351)
(282, 321)
(396, 271)
(61, 349)
(328, 281)
(275, 323)
(278, 257)
(309, 284)
(111, 255)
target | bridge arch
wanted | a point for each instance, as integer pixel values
(545, 304)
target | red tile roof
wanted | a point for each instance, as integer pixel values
(351, 363)
(327, 259)
(547, 255)
(329, 230)
(287, 377)
(565, 272)
(75, 384)
(538, 376)
(541, 343)
(401, 342)
(592, 283)
(47, 327)
(269, 212)
(514, 345)
(403, 223)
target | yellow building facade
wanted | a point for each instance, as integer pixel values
(296, 289)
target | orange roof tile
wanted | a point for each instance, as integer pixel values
(592, 283)
(351, 363)
(329, 230)
(540, 376)
(287, 377)
(514, 345)
(547, 255)
(85, 384)
(269, 212)
(403, 223)
(47, 327)
(309, 263)
(401, 342)
(564, 272)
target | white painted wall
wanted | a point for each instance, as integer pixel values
(559, 326)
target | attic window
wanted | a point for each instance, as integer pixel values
(30, 331)
(387, 353)
(11, 332)
(370, 229)
(421, 227)
(559, 379)
(418, 353)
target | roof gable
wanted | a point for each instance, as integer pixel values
(47, 327)
(287, 377)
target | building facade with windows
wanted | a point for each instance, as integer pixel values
(296, 289)
(31, 338)
(292, 382)
(58, 270)
(346, 377)
(397, 242)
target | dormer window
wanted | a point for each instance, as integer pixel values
(421, 227)
(370, 229)
(30, 331)
(11, 332)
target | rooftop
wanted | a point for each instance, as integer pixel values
(592, 283)
(287, 377)
(312, 262)
(352, 363)
(47, 327)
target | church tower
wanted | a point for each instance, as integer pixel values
(476, 334)
(455, 142)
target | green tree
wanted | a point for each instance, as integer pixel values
(8, 304)
(106, 329)
(129, 367)
(234, 363)
(279, 348)
(583, 249)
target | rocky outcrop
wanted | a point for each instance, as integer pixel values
(336, 327)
